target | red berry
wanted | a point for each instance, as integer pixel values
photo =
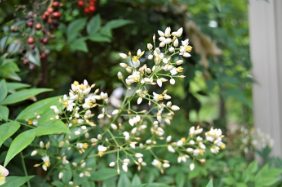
(43, 55)
(94, 1)
(38, 26)
(46, 13)
(80, 3)
(30, 40)
(45, 40)
(56, 15)
(55, 4)
(50, 10)
(50, 21)
(29, 24)
(86, 10)
(92, 8)
(91, 3)
(44, 17)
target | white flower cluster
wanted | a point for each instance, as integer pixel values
(127, 131)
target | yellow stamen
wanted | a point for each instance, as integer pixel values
(100, 153)
(85, 145)
(90, 103)
(223, 146)
(30, 122)
(66, 103)
(180, 69)
(201, 151)
(160, 97)
(136, 79)
(159, 164)
(183, 140)
(81, 86)
(135, 58)
(76, 83)
(157, 59)
(188, 48)
(74, 120)
(47, 163)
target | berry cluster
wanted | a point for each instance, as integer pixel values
(41, 29)
(89, 6)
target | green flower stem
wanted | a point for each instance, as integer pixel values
(24, 168)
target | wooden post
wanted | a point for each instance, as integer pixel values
(265, 20)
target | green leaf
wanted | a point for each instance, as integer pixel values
(136, 180)
(117, 23)
(238, 95)
(51, 127)
(7, 130)
(210, 184)
(13, 181)
(58, 184)
(79, 45)
(23, 95)
(180, 179)
(14, 47)
(240, 184)
(228, 180)
(157, 184)
(253, 167)
(39, 107)
(74, 27)
(8, 71)
(97, 37)
(123, 181)
(4, 112)
(267, 181)
(34, 59)
(19, 143)
(15, 85)
(3, 89)
(104, 174)
(87, 183)
(94, 25)
(67, 174)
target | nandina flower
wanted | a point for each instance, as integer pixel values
(134, 77)
(185, 49)
(178, 33)
(3, 174)
(101, 150)
(46, 162)
(157, 163)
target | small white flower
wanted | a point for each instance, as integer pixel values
(159, 82)
(138, 155)
(171, 49)
(170, 149)
(175, 43)
(123, 55)
(119, 75)
(149, 46)
(166, 165)
(167, 32)
(175, 108)
(150, 57)
(178, 33)
(192, 166)
(156, 163)
(139, 100)
(168, 139)
(161, 33)
(179, 62)
(124, 167)
(172, 81)
(102, 148)
(61, 174)
(112, 164)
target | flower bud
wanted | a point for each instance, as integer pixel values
(149, 46)
(123, 55)
(61, 174)
(114, 127)
(112, 164)
(175, 43)
(119, 75)
(150, 57)
(33, 153)
(174, 107)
